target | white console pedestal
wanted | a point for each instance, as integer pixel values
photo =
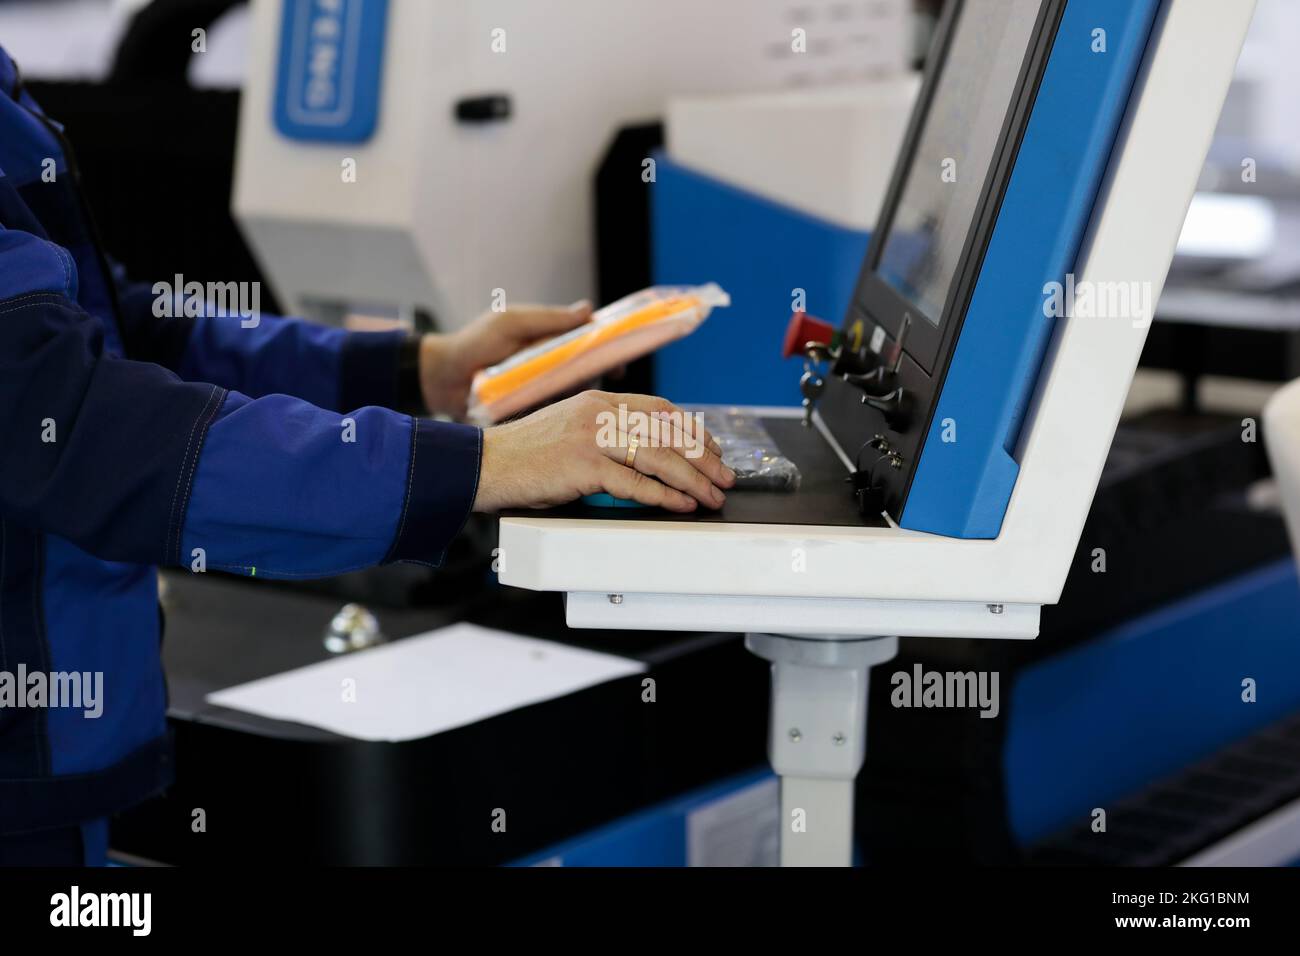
(817, 739)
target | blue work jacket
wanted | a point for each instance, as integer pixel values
(130, 439)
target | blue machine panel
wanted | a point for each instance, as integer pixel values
(760, 251)
(1150, 697)
(656, 836)
(962, 488)
(330, 69)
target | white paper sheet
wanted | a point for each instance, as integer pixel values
(424, 685)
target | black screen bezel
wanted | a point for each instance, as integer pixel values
(875, 298)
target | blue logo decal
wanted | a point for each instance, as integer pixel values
(331, 64)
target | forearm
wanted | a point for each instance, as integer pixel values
(262, 354)
(287, 490)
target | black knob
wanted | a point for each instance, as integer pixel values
(855, 362)
(876, 383)
(895, 406)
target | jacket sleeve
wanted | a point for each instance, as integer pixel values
(130, 463)
(261, 354)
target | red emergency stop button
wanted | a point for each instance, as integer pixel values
(804, 328)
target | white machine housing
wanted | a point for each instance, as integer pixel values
(442, 213)
(683, 575)
(828, 152)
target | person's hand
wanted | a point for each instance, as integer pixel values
(581, 446)
(448, 362)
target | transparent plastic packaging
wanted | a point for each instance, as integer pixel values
(620, 332)
(749, 451)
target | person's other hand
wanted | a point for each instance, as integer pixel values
(448, 362)
(580, 446)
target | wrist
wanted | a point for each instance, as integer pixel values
(434, 363)
(485, 495)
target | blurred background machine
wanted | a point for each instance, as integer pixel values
(486, 122)
(475, 134)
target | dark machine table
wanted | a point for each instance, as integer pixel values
(273, 791)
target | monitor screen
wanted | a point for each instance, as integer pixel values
(955, 150)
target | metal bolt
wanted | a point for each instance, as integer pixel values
(838, 739)
(795, 736)
(616, 599)
(995, 608)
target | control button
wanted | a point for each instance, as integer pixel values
(802, 330)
